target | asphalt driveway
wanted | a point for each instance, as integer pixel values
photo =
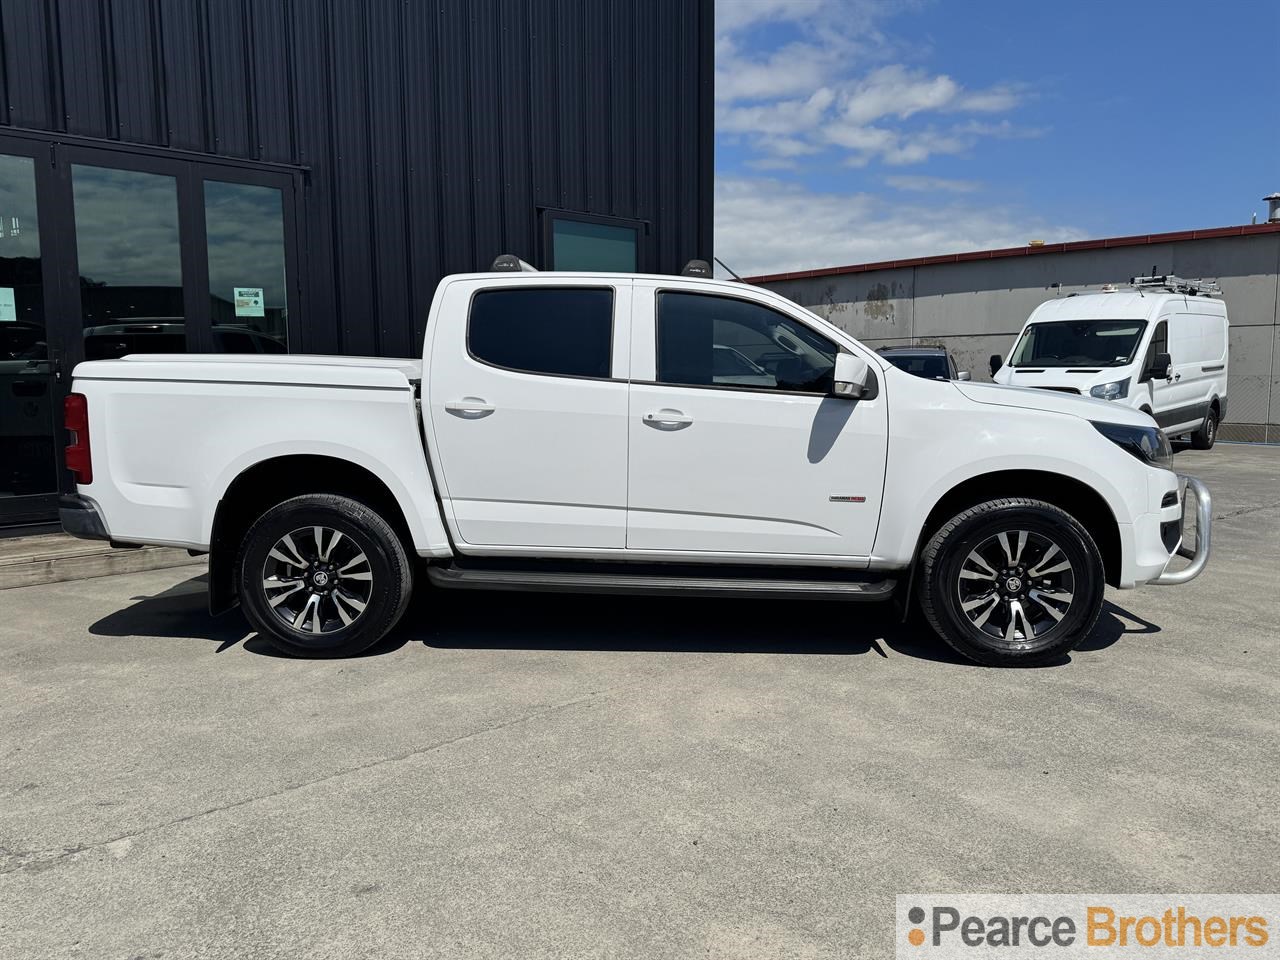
(537, 776)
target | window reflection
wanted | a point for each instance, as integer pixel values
(130, 259)
(244, 225)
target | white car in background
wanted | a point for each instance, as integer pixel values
(1160, 347)
(582, 432)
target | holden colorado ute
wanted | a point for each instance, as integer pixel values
(582, 432)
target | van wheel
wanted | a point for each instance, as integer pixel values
(1012, 582)
(1203, 438)
(323, 576)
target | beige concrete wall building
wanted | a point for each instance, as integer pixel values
(974, 304)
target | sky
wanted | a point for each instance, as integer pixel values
(850, 131)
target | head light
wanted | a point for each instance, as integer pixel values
(1116, 390)
(1148, 444)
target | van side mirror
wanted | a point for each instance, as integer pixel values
(996, 363)
(852, 377)
(963, 375)
(1161, 368)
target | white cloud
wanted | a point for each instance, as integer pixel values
(922, 184)
(833, 83)
(732, 15)
(808, 89)
(780, 118)
(766, 225)
(895, 90)
(796, 68)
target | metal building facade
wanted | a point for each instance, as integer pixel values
(975, 303)
(159, 158)
(429, 137)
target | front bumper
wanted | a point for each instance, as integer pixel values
(1204, 529)
(81, 518)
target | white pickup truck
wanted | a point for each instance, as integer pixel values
(613, 433)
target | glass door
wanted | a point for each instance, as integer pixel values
(175, 255)
(106, 252)
(244, 232)
(129, 261)
(29, 398)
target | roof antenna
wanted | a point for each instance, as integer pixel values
(729, 268)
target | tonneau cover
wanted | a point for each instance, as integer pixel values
(301, 370)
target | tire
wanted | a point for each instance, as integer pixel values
(1015, 539)
(340, 595)
(1203, 439)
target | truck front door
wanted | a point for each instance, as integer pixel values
(736, 445)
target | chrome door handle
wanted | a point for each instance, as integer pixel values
(470, 408)
(667, 419)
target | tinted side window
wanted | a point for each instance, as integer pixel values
(719, 341)
(560, 331)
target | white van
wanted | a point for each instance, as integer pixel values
(1160, 347)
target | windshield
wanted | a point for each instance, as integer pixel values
(930, 366)
(1072, 343)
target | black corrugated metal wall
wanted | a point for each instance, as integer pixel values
(431, 133)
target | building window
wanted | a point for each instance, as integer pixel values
(709, 341)
(593, 244)
(558, 331)
(130, 255)
(244, 225)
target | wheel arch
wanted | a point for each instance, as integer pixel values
(269, 482)
(1077, 498)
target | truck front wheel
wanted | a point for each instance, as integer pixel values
(323, 576)
(1012, 582)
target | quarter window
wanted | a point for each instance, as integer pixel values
(1159, 344)
(559, 331)
(720, 341)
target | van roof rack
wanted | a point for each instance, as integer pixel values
(1195, 288)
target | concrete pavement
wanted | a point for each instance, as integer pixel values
(538, 776)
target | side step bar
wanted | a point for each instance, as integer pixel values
(652, 580)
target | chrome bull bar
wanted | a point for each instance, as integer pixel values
(1204, 527)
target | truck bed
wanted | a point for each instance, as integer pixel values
(170, 433)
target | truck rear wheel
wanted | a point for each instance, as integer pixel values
(1012, 582)
(323, 576)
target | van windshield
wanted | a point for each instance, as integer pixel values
(1073, 343)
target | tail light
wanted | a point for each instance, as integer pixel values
(76, 419)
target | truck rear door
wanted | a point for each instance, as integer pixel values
(527, 400)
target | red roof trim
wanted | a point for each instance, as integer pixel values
(1245, 230)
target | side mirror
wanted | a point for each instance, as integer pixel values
(1161, 368)
(852, 376)
(996, 363)
(963, 375)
